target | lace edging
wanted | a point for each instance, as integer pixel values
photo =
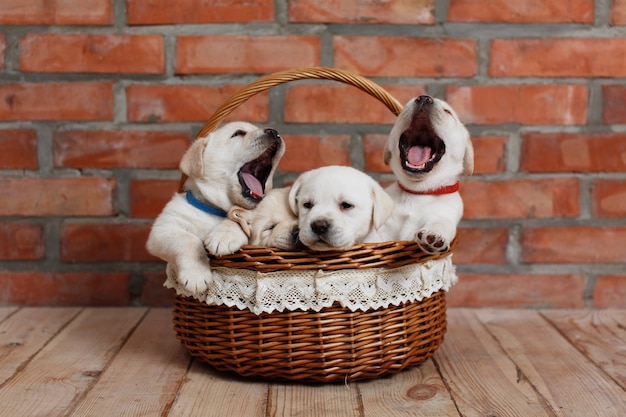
(356, 289)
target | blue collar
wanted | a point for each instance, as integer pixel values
(200, 205)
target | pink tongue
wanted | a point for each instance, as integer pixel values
(418, 155)
(255, 186)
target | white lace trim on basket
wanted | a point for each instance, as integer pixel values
(356, 289)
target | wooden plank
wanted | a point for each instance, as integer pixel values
(567, 379)
(7, 311)
(145, 375)
(26, 332)
(599, 334)
(482, 379)
(319, 400)
(209, 393)
(414, 392)
(67, 366)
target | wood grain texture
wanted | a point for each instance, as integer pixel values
(598, 334)
(418, 392)
(482, 379)
(570, 382)
(65, 368)
(23, 334)
(145, 375)
(493, 363)
(209, 393)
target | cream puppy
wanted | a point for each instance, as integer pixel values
(428, 149)
(338, 206)
(271, 224)
(233, 165)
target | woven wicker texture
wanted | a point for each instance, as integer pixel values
(334, 344)
(393, 254)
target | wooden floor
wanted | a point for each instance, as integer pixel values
(127, 362)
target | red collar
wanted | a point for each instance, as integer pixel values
(446, 189)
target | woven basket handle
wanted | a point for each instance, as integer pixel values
(277, 78)
(296, 74)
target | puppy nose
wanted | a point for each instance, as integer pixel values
(424, 100)
(320, 226)
(272, 132)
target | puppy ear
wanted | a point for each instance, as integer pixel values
(293, 195)
(241, 216)
(383, 205)
(191, 162)
(468, 158)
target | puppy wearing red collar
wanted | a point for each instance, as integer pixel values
(428, 149)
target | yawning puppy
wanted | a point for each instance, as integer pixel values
(428, 149)
(271, 224)
(233, 165)
(338, 206)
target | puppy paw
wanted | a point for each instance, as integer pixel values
(195, 278)
(431, 242)
(226, 239)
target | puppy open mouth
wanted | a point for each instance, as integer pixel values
(253, 174)
(420, 147)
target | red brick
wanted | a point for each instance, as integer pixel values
(57, 196)
(57, 101)
(19, 149)
(3, 47)
(238, 53)
(92, 53)
(407, 12)
(610, 291)
(154, 294)
(373, 147)
(522, 11)
(89, 242)
(148, 197)
(190, 103)
(115, 149)
(23, 241)
(618, 12)
(479, 245)
(521, 198)
(142, 12)
(406, 57)
(613, 104)
(55, 12)
(525, 104)
(304, 152)
(557, 58)
(518, 291)
(489, 155)
(567, 152)
(64, 288)
(576, 244)
(609, 198)
(341, 103)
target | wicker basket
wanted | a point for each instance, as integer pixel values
(334, 344)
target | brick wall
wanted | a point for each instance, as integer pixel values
(100, 98)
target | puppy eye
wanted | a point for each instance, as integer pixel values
(270, 227)
(448, 111)
(346, 206)
(239, 133)
(307, 205)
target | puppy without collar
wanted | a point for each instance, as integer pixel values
(427, 150)
(338, 206)
(271, 224)
(235, 164)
